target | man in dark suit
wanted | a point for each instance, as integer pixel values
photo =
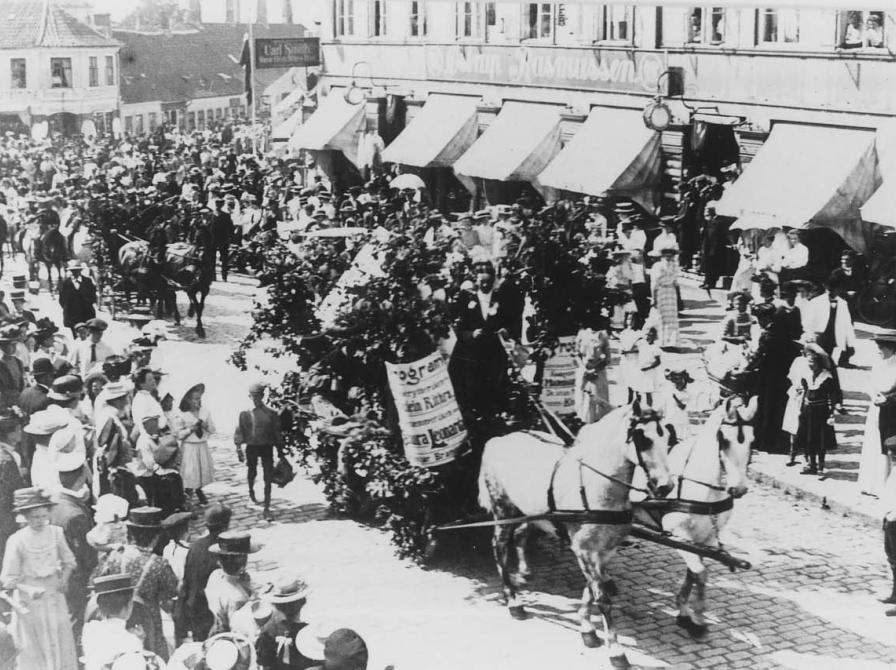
(77, 296)
(34, 398)
(72, 513)
(192, 612)
(222, 234)
(478, 365)
(12, 371)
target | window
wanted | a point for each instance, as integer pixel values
(538, 20)
(780, 26)
(418, 18)
(93, 71)
(378, 18)
(60, 73)
(110, 70)
(219, 113)
(152, 121)
(18, 71)
(465, 17)
(618, 23)
(172, 117)
(138, 124)
(706, 25)
(200, 116)
(129, 124)
(856, 30)
(191, 121)
(345, 17)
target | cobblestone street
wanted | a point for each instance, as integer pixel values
(808, 602)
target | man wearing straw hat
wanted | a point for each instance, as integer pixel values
(104, 639)
(274, 646)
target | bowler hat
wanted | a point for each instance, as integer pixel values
(29, 498)
(67, 387)
(145, 517)
(42, 366)
(234, 543)
(113, 583)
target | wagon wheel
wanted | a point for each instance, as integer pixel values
(877, 303)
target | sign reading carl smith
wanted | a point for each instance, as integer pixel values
(597, 69)
(287, 52)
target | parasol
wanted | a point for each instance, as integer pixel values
(407, 180)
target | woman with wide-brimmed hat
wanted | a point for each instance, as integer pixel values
(815, 435)
(192, 425)
(155, 583)
(38, 563)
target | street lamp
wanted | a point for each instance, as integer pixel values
(354, 95)
(657, 114)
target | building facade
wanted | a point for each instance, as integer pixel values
(718, 79)
(57, 70)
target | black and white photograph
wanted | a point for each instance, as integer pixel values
(447, 335)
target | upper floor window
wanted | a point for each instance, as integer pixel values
(378, 18)
(18, 72)
(857, 29)
(779, 26)
(706, 25)
(93, 71)
(418, 18)
(110, 70)
(618, 23)
(345, 17)
(60, 73)
(538, 20)
(466, 17)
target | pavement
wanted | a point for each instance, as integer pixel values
(808, 602)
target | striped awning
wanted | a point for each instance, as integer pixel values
(517, 146)
(612, 152)
(336, 125)
(443, 129)
(285, 130)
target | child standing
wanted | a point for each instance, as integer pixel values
(628, 359)
(674, 401)
(650, 370)
(821, 396)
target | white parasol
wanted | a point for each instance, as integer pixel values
(407, 180)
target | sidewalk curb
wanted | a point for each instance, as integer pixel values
(796, 493)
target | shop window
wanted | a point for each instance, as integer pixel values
(93, 71)
(19, 72)
(706, 25)
(110, 70)
(200, 122)
(191, 121)
(618, 24)
(857, 30)
(219, 113)
(345, 18)
(138, 124)
(60, 73)
(780, 26)
(538, 20)
(152, 121)
(418, 18)
(129, 124)
(378, 26)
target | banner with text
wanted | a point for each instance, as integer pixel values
(287, 52)
(558, 383)
(431, 424)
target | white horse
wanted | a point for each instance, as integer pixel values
(529, 473)
(709, 468)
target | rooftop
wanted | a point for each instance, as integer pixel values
(40, 23)
(201, 63)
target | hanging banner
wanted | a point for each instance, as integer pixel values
(287, 52)
(558, 383)
(430, 420)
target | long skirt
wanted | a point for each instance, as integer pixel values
(667, 308)
(874, 467)
(593, 396)
(44, 635)
(197, 467)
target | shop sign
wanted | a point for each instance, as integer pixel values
(287, 52)
(431, 424)
(558, 383)
(588, 69)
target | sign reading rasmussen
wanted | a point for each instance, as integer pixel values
(431, 424)
(595, 69)
(287, 52)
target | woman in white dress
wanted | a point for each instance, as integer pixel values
(592, 387)
(874, 464)
(192, 425)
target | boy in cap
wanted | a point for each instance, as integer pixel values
(257, 435)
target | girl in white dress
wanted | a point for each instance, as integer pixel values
(192, 426)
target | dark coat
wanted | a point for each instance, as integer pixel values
(222, 229)
(192, 608)
(34, 399)
(77, 304)
(11, 386)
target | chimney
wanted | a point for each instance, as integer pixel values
(103, 24)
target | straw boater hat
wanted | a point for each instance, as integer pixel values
(113, 583)
(887, 336)
(30, 498)
(288, 589)
(145, 517)
(234, 543)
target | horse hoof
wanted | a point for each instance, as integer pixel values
(518, 612)
(591, 640)
(610, 588)
(620, 662)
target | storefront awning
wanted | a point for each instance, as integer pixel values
(881, 207)
(336, 125)
(517, 146)
(285, 130)
(444, 128)
(806, 176)
(612, 152)
(283, 106)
